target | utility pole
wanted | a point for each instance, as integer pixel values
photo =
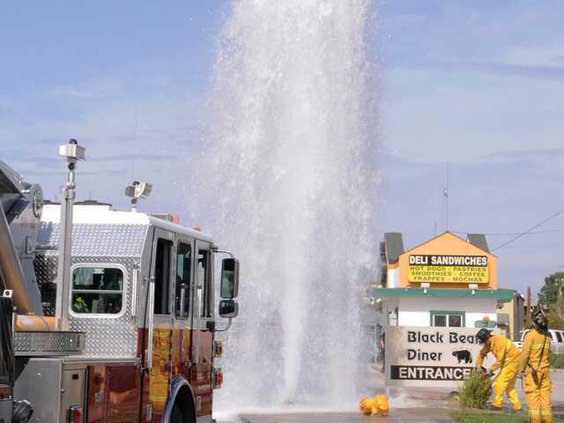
(445, 194)
(528, 309)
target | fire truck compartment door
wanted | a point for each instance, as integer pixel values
(74, 387)
(40, 384)
(52, 386)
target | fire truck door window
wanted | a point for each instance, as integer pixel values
(97, 290)
(162, 276)
(205, 288)
(183, 271)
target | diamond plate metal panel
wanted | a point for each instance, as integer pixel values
(109, 336)
(45, 267)
(37, 343)
(97, 239)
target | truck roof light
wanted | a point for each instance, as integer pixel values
(136, 191)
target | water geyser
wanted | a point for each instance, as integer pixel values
(291, 166)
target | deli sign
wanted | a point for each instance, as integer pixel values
(430, 356)
(448, 268)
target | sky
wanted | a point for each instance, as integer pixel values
(472, 89)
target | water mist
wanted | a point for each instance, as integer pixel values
(291, 166)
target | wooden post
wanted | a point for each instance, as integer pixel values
(528, 309)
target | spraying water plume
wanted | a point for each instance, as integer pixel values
(291, 163)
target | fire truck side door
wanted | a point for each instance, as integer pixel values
(159, 327)
(183, 300)
(202, 337)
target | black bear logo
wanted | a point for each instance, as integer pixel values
(463, 355)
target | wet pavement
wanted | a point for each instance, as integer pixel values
(416, 414)
(423, 406)
(421, 415)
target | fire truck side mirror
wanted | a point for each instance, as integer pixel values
(229, 278)
(228, 308)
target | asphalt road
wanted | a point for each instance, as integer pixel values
(421, 415)
(430, 406)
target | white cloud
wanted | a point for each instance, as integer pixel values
(466, 79)
(144, 135)
(540, 55)
(99, 88)
(434, 115)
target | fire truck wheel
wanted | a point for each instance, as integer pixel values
(181, 413)
(177, 414)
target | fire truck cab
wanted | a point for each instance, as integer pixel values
(135, 340)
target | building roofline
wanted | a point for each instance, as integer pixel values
(444, 233)
(504, 295)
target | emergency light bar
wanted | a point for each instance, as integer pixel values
(139, 190)
(72, 151)
(136, 191)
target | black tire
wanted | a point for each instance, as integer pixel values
(177, 415)
(181, 413)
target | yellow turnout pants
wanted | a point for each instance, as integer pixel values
(505, 383)
(538, 396)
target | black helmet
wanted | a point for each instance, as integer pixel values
(483, 335)
(540, 322)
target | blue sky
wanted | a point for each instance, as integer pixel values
(477, 84)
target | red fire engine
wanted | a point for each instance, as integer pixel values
(115, 323)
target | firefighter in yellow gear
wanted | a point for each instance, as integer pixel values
(535, 369)
(508, 360)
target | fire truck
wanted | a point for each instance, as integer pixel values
(115, 311)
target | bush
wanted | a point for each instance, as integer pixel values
(557, 361)
(475, 391)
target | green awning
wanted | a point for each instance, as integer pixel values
(503, 295)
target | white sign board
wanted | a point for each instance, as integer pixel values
(430, 356)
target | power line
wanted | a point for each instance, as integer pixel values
(522, 234)
(547, 231)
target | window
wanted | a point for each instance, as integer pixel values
(183, 271)
(440, 320)
(558, 336)
(97, 290)
(162, 276)
(205, 283)
(451, 319)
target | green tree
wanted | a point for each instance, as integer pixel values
(556, 314)
(553, 289)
